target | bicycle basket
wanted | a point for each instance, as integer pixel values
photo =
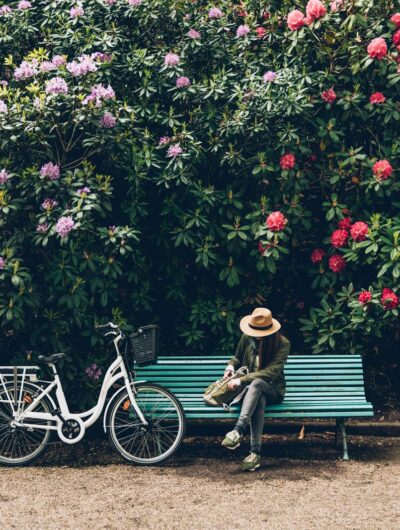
(144, 345)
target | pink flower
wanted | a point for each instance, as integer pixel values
(276, 221)
(56, 85)
(182, 82)
(82, 66)
(364, 297)
(108, 121)
(59, 60)
(47, 66)
(295, 20)
(287, 161)
(24, 71)
(261, 32)
(396, 38)
(24, 4)
(171, 59)
(2, 262)
(329, 95)
(50, 170)
(396, 19)
(134, 2)
(382, 170)
(3, 176)
(64, 226)
(345, 223)
(242, 31)
(174, 150)
(193, 34)
(164, 140)
(315, 9)
(83, 191)
(42, 228)
(377, 48)
(76, 12)
(110, 2)
(49, 204)
(5, 10)
(101, 57)
(389, 299)
(377, 97)
(3, 107)
(317, 255)
(339, 238)
(269, 76)
(93, 371)
(335, 5)
(215, 12)
(99, 94)
(359, 231)
(337, 263)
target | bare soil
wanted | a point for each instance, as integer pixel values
(302, 485)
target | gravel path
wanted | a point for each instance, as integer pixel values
(302, 485)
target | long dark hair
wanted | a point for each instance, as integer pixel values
(268, 346)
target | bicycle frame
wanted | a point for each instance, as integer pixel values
(116, 371)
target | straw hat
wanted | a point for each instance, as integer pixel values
(260, 323)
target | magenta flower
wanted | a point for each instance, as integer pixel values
(3, 176)
(64, 226)
(164, 140)
(93, 371)
(108, 120)
(3, 107)
(24, 71)
(83, 191)
(193, 34)
(182, 82)
(99, 94)
(49, 204)
(5, 10)
(2, 262)
(59, 60)
(171, 59)
(82, 66)
(56, 85)
(76, 11)
(42, 228)
(50, 170)
(174, 150)
(242, 31)
(215, 12)
(269, 76)
(24, 4)
(101, 57)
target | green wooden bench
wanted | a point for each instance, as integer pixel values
(328, 386)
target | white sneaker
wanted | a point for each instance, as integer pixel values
(232, 440)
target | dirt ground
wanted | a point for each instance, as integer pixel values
(301, 485)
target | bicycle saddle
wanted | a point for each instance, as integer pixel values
(51, 359)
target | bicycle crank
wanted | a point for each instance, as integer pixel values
(71, 430)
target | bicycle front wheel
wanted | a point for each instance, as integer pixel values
(156, 442)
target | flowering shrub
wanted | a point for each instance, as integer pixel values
(208, 157)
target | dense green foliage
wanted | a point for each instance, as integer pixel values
(164, 174)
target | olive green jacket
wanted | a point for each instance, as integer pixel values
(246, 353)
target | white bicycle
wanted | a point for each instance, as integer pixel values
(145, 422)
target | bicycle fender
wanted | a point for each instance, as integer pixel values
(112, 399)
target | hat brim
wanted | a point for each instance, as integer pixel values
(245, 327)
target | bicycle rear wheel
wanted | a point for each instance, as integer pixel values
(21, 445)
(156, 442)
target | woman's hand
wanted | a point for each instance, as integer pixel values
(229, 370)
(234, 384)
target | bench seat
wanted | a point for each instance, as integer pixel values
(325, 386)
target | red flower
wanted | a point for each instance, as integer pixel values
(261, 249)
(377, 97)
(329, 95)
(313, 157)
(396, 38)
(317, 255)
(295, 20)
(287, 161)
(337, 263)
(377, 48)
(364, 297)
(276, 221)
(396, 19)
(261, 32)
(389, 299)
(382, 169)
(359, 231)
(345, 223)
(315, 9)
(339, 238)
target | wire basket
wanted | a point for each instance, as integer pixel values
(144, 345)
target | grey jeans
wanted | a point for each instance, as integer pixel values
(257, 396)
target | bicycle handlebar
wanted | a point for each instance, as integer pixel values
(108, 325)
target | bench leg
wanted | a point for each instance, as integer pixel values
(337, 433)
(342, 429)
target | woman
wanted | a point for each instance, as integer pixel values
(264, 351)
